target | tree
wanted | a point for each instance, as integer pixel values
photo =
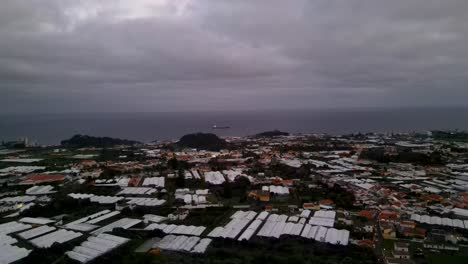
(242, 183)
(304, 171)
(227, 190)
(180, 180)
(108, 173)
(173, 163)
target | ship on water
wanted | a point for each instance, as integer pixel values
(220, 127)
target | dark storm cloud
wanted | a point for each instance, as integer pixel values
(146, 55)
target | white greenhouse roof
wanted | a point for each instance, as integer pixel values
(59, 236)
(124, 223)
(10, 254)
(36, 232)
(95, 247)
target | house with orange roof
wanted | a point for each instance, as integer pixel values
(134, 181)
(389, 216)
(259, 195)
(367, 214)
(414, 232)
(433, 198)
(311, 206)
(388, 230)
(88, 163)
(42, 178)
(366, 243)
(407, 224)
(287, 182)
(327, 202)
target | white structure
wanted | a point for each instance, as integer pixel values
(40, 190)
(59, 236)
(21, 169)
(84, 224)
(435, 220)
(145, 201)
(460, 212)
(281, 190)
(194, 198)
(154, 218)
(21, 160)
(201, 246)
(36, 232)
(137, 191)
(195, 174)
(214, 177)
(251, 229)
(103, 217)
(183, 243)
(96, 198)
(239, 220)
(18, 199)
(7, 240)
(177, 229)
(295, 163)
(80, 195)
(124, 223)
(337, 237)
(231, 175)
(202, 192)
(158, 182)
(10, 254)
(95, 247)
(188, 175)
(323, 234)
(277, 225)
(12, 227)
(105, 199)
(36, 220)
(305, 213)
(323, 218)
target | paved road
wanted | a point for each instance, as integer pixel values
(378, 238)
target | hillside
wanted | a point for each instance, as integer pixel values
(270, 134)
(206, 141)
(82, 141)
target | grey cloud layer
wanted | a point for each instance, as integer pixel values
(142, 55)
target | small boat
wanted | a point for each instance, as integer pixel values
(220, 127)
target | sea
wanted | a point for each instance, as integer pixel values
(51, 128)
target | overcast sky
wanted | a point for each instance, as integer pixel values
(182, 55)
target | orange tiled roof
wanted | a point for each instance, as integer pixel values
(38, 178)
(327, 202)
(367, 214)
(388, 215)
(366, 243)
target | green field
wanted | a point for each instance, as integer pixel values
(444, 257)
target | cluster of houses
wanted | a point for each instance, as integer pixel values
(393, 200)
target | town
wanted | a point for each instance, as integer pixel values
(273, 197)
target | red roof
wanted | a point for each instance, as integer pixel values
(326, 202)
(408, 223)
(434, 197)
(367, 214)
(135, 181)
(308, 205)
(388, 215)
(40, 178)
(287, 182)
(366, 243)
(418, 232)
